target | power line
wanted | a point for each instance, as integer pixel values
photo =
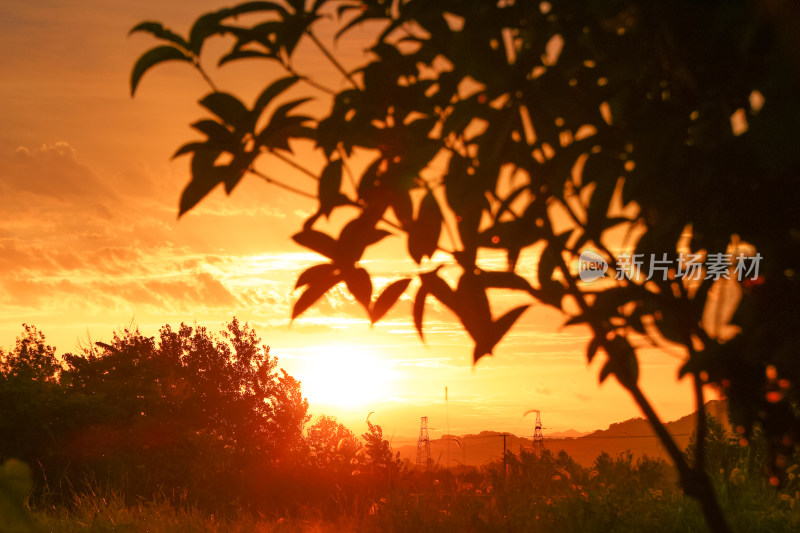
(574, 438)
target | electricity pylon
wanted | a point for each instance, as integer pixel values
(538, 438)
(424, 444)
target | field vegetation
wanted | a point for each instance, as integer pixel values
(193, 431)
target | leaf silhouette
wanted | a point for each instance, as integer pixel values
(360, 286)
(273, 90)
(153, 57)
(330, 183)
(158, 30)
(419, 309)
(314, 291)
(387, 298)
(316, 274)
(423, 235)
(319, 242)
(497, 331)
(622, 363)
(228, 108)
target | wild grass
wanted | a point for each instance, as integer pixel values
(101, 513)
(435, 504)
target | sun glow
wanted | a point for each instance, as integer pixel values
(346, 376)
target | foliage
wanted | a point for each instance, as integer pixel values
(346, 484)
(32, 358)
(527, 492)
(189, 409)
(377, 457)
(332, 445)
(33, 408)
(547, 118)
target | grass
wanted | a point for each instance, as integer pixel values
(96, 514)
(754, 510)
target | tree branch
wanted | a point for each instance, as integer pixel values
(332, 59)
(281, 184)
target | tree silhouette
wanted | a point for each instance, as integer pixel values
(539, 130)
(185, 409)
(332, 445)
(377, 458)
(32, 406)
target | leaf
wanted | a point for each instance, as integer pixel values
(319, 242)
(603, 169)
(316, 274)
(591, 350)
(251, 7)
(205, 176)
(195, 191)
(356, 236)
(387, 298)
(229, 109)
(400, 203)
(313, 293)
(158, 30)
(622, 363)
(273, 90)
(578, 319)
(547, 264)
(211, 128)
(204, 27)
(277, 132)
(189, 148)
(219, 137)
(292, 29)
(506, 280)
(423, 236)
(504, 323)
(243, 54)
(419, 308)
(330, 183)
(672, 327)
(153, 57)
(605, 371)
(282, 111)
(360, 286)
(496, 332)
(373, 11)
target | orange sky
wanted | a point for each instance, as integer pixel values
(89, 242)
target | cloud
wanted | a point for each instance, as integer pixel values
(73, 241)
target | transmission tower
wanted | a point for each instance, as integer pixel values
(424, 444)
(538, 438)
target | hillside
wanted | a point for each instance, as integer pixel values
(634, 435)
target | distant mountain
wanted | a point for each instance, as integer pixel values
(634, 435)
(568, 434)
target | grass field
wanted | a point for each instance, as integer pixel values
(469, 500)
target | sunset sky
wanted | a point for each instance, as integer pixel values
(90, 243)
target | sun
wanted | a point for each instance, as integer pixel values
(346, 376)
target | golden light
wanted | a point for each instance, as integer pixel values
(346, 376)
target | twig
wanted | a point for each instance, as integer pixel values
(201, 70)
(309, 81)
(281, 184)
(294, 164)
(332, 59)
